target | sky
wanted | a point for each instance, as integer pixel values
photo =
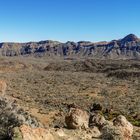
(68, 20)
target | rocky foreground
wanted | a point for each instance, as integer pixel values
(16, 124)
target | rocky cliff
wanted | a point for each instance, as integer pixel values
(126, 48)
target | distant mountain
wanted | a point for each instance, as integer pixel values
(125, 48)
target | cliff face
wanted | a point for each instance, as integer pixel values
(126, 48)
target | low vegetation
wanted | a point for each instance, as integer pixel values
(45, 88)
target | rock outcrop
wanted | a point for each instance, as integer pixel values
(25, 132)
(77, 119)
(16, 124)
(126, 48)
(11, 115)
(98, 120)
(110, 132)
(120, 129)
(125, 127)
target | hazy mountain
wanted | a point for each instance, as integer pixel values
(125, 48)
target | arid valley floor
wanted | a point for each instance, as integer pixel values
(45, 88)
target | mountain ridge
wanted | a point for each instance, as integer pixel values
(125, 48)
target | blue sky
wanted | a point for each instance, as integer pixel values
(63, 20)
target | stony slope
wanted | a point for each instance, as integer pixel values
(126, 48)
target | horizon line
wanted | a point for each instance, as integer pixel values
(60, 41)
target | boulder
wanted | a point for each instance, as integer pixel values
(97, 119)
(77, 118)
(25, 132)
(125, 127)
(120, 129)
(110, 132)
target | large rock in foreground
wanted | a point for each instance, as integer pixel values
(110, 132)
(25, 132)
(77, 119)
(121, 129)
(98, 120)
(125, 127)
